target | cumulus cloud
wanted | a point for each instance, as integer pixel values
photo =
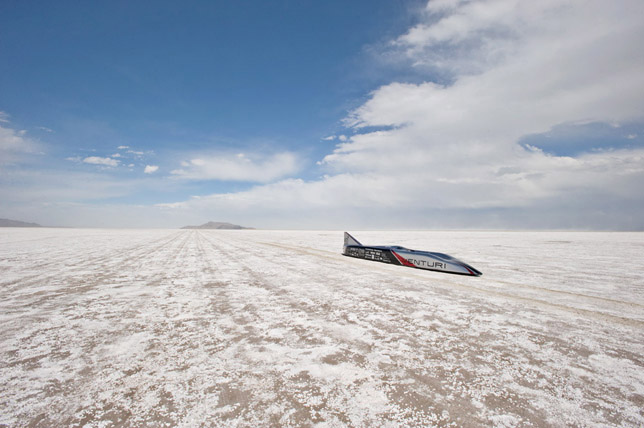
(14, 141)
(97, 160)
(239, 167)
(495, 71)
(15, 145)
(149, 169)
(551, 68)
(545, 71)
(335, 137)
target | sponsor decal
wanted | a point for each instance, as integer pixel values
(427, 264)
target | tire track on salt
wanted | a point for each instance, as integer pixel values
(46, 289)
(97, 335)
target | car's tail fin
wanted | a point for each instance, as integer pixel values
(350, 240)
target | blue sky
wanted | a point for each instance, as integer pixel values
(307, 114)
(166, 77)
(129, 73)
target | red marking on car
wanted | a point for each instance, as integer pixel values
(402, 260)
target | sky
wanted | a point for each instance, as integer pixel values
(379, 114)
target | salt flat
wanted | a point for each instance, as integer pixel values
(103, 328)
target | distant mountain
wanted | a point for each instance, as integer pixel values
(217, 225)
(15, 223)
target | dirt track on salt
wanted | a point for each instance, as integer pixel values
(106, 328)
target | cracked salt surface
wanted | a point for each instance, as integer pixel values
(106, 328)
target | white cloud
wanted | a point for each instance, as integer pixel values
(464, 132)
(149, 169)
(123, 147)
(15, 145)
(97, 160)
(335, 137)
(13, 141)
(239, 167)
